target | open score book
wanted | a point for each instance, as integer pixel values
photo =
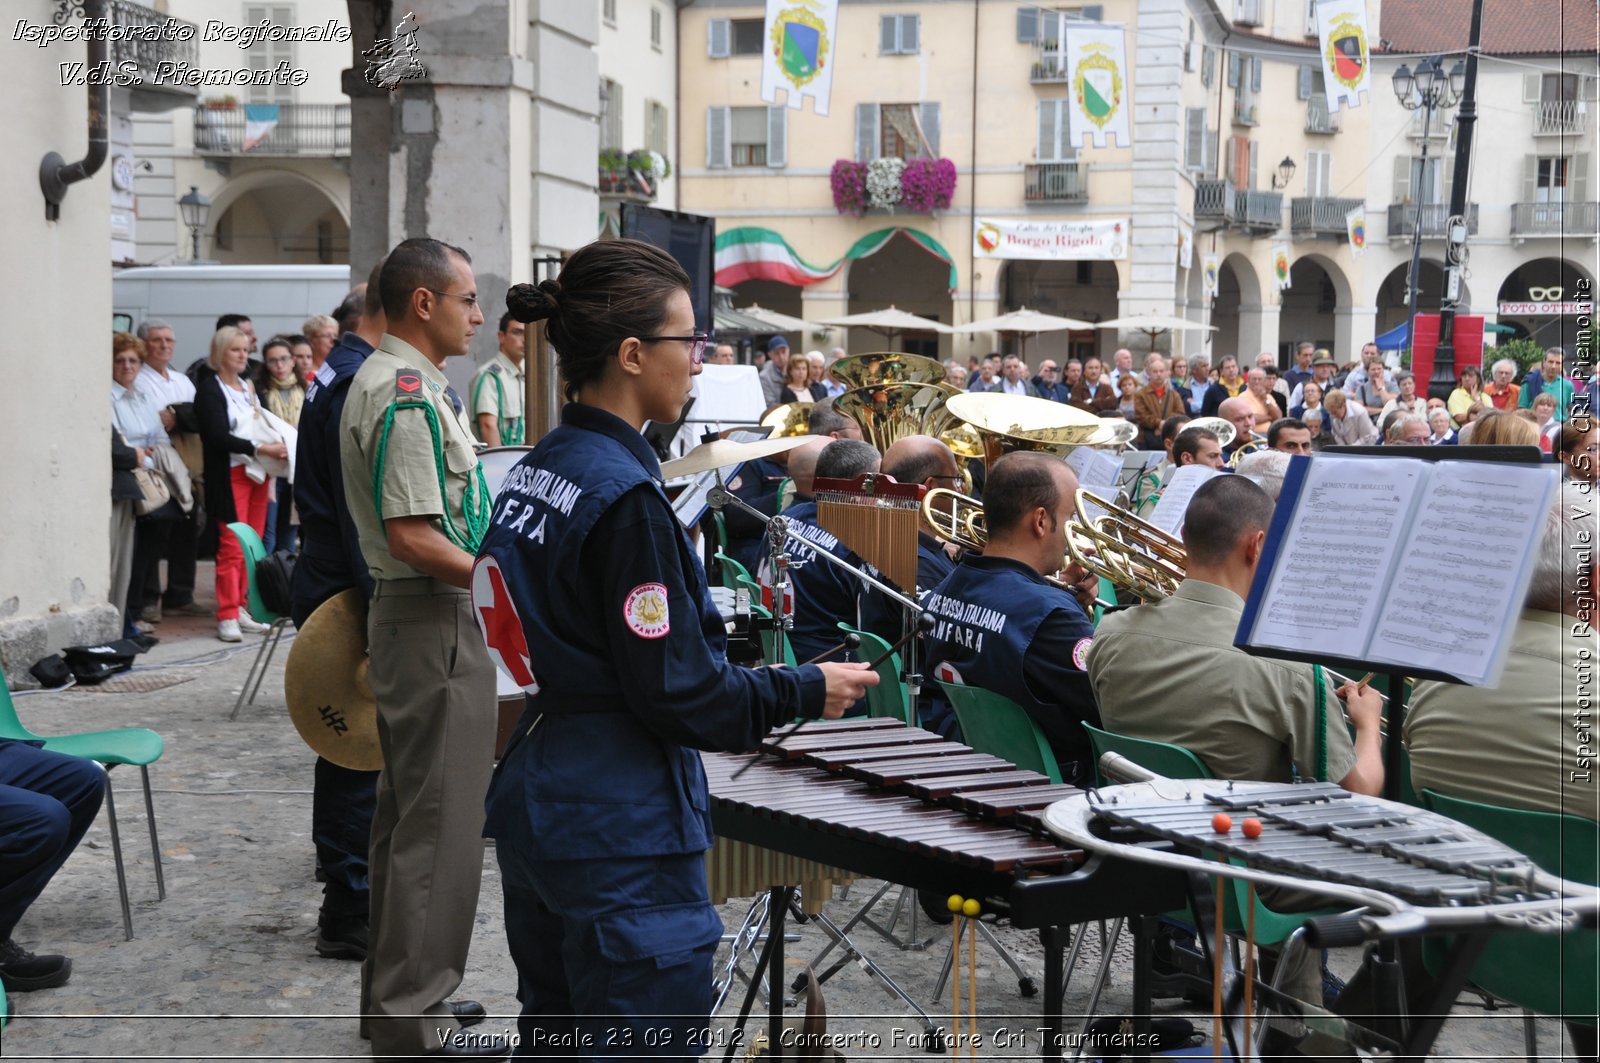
(1398, 564)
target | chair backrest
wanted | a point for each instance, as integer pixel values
(1163, 758)
(889, 698)
(1106, 593)
(734, 575)
(994, 724)
(10, 725)
(254, 550)
(1548, 973)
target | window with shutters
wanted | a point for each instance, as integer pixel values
(1241, 156)
(608, 12)
(1247, 12)
(610, 114)
(1419, 180)
(655, 126)
(1199, 142)
(655, 28)
(1055, 138)
(1550, 179)
(266, 55)
(747, 136)
(1246, 80)
(746, 35)
(1208, 65)
(1319, 174)
(898, 34)
(902, 131)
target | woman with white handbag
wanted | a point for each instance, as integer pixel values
(242, 452)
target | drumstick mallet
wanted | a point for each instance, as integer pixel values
(925, 623)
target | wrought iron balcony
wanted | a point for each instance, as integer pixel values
(1215, 204)
(307, 130)
(1259, 211)
(1403, 218)
(1554, 219)
(1055, 182)
(1564, 118)
(1320, 216)
(1049, 63)
(1318, 118)
(148, 54)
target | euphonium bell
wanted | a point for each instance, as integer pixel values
(888, 413)
(1225, 431)
(1016, 422)
(885, 367)
(789, 419)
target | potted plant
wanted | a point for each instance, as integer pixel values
(613, 169)
(927, 185)
(849, 181)
(649, 163)
(884, 182)
(221, 103)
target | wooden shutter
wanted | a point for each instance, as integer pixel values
(777, 137)
(928, 118)
(266, 55)
(1303, 86)
(910, 34)
(718, 33)
(1251, 182)
(1402, 178)
(719, 150)
(1531, 88)
(1055, 140)
(1208, 65)
(1447, 173)
(1194, 151)
(1240, 158)
(888, 34)
(1578, 178)
(1027, 24)
(1530, 178)
(866, 132)
(1255, 74)
(1233, 70)
(1093, 13)
(1319, 174)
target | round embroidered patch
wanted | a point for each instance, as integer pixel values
(645, 611)
(1080, 653)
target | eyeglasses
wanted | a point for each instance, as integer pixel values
(697, 344)
(470, 300)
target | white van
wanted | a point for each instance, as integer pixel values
(191, 298)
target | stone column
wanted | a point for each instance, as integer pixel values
(1353, 326)
(1258, 331)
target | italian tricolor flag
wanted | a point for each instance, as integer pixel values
(750, 253)
(753, 253)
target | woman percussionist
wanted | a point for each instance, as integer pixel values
(593, 598)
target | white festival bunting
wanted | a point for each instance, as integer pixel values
(1097, 66)
(799, 51)
(1346, 57)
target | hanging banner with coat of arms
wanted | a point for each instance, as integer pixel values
(1209, 265)
(1280, 266)
(1097, 67)
(1346, 59)
(799, 50)
(1355, 224)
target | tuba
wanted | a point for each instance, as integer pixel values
(888, 412)
(1223, 428)
(1006, 423)
(788, 419)
(885, 367)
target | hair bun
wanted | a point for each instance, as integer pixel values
(529, 302)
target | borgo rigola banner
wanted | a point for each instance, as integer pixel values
(1057, 240)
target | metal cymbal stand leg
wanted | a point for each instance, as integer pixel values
(1026, 984)
(854, 955)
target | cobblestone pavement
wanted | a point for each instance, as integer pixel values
(224, 968)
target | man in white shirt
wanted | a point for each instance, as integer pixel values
(1122, 362)
(835, 389)
(1014, 377)
(172, 394)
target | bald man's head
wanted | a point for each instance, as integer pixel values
(917, 459)
(1238, 411)
(803, 466)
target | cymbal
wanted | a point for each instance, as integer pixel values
(325, 684)
(720, 453)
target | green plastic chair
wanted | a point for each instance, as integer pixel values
(254, 550)
(889, 698)
(734, 575)
(1106, 593)
(1176, 762)
(1547, 973)
(123, 745)
(994, 724)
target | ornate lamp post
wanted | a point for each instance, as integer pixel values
(196, 208)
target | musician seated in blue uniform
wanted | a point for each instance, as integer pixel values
(914, 460)
(1003, 627)
(592, 597)
(824, 594)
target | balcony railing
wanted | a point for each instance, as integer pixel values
(1559, 118)
(1403, 218)
(1320, 216)
(147, 55)
(1055, 182)
(1259, 211)
(319, 130)
(1049, 63)
(1244, 111)
(1318, 118)
(1554, 219)
(1214, 202)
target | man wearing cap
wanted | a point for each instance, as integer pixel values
(772, 373)
(1322, 367)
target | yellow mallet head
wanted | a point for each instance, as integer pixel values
(971, 909)
(955, 902)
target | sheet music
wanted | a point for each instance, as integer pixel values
(1334, 565)
(1174, 502)
(1462, 575)
(1095, 468)
(690, 505)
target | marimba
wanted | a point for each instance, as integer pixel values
(898, 803)
(1403, 870)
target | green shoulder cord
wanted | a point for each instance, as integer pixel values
(1322, 723)
(476, 503)
(510, 427)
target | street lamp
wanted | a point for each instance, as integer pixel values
(196, 210)
(1284, 175)
(1426, 89)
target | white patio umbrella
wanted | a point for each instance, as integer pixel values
(1152, 323)
(779, 321)
(890, 322)
(1026, 322)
